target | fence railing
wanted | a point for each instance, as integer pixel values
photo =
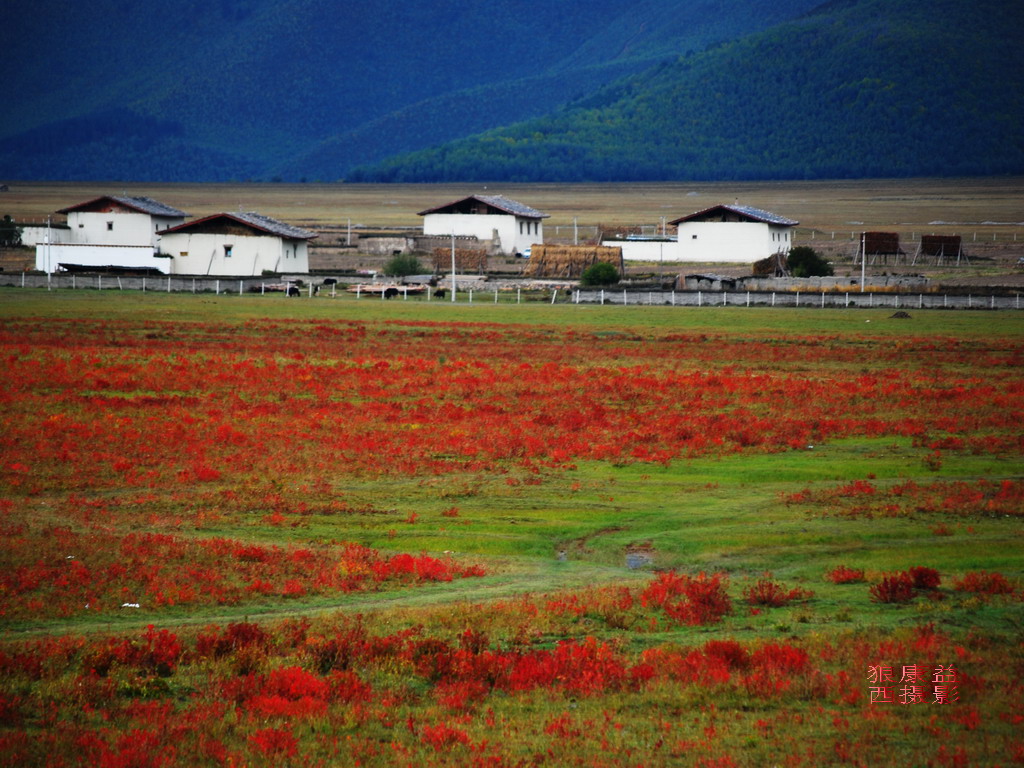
(262, 287)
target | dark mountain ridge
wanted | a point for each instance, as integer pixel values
(235, 89)
(855, 88)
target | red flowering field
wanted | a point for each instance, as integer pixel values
(244, 533)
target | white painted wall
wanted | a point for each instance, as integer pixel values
(735, 242)
(120, 228)
(515, 233)
(35, 234)
(206, 254)
(645, 250)
(47, 258)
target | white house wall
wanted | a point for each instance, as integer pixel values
(47, 258)
(645, 250)
(35, 234)
(736, 242)
(483, 227)
(90, 228)
(205, 254)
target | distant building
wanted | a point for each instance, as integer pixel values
(236, 244)
(732, 233)
(108, 231)
(509, 226)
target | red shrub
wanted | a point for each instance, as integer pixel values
(984, 583)
(924, 578)
(275, 742)
(844, 575)
(236, 636)
(898, 588)
(770, 593)
(442, 737)
(704, 599)
(733, 654)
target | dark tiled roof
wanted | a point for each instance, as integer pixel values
(255, 220)
(500, 202)
(140, 204)
(746, 211)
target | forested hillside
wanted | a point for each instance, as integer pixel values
(857, 88)
(237, 89)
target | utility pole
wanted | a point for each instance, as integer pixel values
(863, 259)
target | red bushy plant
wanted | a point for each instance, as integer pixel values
(897, 588)
(703, 598)
(842, 574)
(924, 578)
(772, 594)
(982, 582)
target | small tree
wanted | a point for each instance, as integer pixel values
(10, 232)
(804, 261)
(403, 265)
(600, 273)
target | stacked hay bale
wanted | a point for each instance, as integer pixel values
(776, 265)
(467, 260)
(569, 261)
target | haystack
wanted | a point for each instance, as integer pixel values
(467, 260)
(940, 248)
(776, 265)
(569, 261)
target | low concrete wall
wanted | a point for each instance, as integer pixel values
(908, 283)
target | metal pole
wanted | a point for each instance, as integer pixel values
(863, 260)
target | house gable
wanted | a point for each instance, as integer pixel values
(487, 205)
(247, 224)
(734, 214)
(124, 204)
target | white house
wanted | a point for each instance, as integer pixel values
(110, 220)
(732, 233)
(510, 226)
(235, 244)
(108, 231)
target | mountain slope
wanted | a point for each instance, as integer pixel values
(856, 88)
(225, 89)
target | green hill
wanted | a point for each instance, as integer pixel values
(235, 89)
(858, 88)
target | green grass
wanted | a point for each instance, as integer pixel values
(16, 302)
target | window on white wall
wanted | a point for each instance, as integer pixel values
(228, 250)
(110, 226)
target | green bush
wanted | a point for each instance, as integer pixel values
(601, 273)
(402, 265)
(804, 261)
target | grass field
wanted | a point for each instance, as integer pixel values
(244, 532)
(984, 205)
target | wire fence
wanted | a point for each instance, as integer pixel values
(517, 294)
